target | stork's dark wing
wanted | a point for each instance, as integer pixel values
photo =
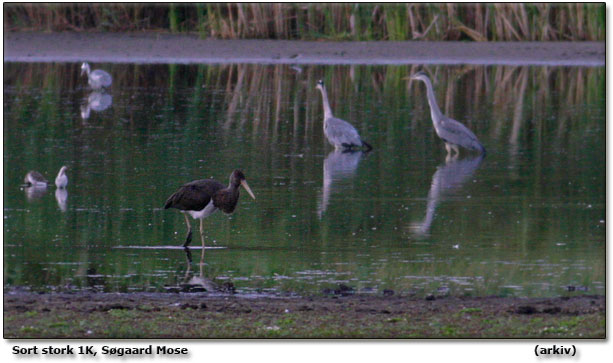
(194, 195)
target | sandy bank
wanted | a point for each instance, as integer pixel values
(168, 48)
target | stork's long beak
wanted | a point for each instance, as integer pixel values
(246, 186)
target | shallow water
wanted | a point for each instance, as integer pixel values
(526, 220)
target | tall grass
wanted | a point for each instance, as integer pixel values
(340, 21)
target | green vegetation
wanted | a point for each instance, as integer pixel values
(346, 21)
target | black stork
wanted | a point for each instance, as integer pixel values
(201, 198)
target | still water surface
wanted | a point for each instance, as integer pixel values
(526, 220)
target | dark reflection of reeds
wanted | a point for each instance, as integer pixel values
(278, 105)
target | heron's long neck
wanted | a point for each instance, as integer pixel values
(434, 110)
(327, 109)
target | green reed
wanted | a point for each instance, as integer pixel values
(345, 21)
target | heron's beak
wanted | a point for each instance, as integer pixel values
(410, 79)
(246, 186)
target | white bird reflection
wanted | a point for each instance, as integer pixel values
(61, 195)
(449, 177)
(35, 192)
(338, 165)
(97, 101)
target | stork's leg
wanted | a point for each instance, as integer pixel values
(188, 239)
(201, 262)
(202, 233)
(188, 257)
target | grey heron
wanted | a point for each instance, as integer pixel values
(452, 132)
(97, 78)
(201, 198)
(35, 179)
(61, 180)
(340, 133)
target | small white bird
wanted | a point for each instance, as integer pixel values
(61, 180)
(98, 78)
(35, 179)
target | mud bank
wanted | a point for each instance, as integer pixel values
(168, 48)
(200, 315)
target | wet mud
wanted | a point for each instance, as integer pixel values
(328, 315)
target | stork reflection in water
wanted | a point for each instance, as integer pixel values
(338, 165)
(448, 178)
(199, 282)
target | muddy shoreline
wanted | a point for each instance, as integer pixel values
(112, 315)
(169, 48)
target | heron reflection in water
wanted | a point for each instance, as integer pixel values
(338, 165)
(97, 102)
(448, 178)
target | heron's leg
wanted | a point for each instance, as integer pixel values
(456, 149)
(188, 239)
(448, 147)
